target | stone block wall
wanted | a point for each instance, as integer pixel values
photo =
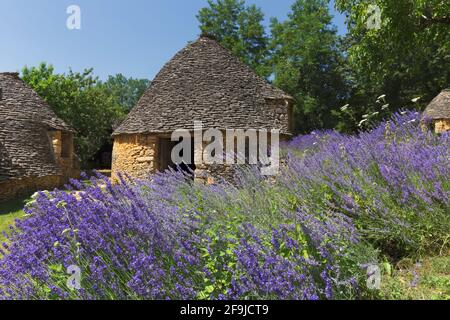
(63, 147)
(55, 137)
(211, 173)
(282, 113)
(14, 188)
(67, 166)
(135, 155)
(441, 126)
(138, 156)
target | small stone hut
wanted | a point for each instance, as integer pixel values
(203, 82)
(438, 112)
(36, 147)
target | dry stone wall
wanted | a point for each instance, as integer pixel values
(68, 164)
(212, 173)
(135, 155)
(441, 126)
(12, 189)
(138, 156)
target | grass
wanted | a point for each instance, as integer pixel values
(9, 212)
(427, 280)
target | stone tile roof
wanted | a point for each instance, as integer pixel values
(439, 108)
(25, 119)
(25, 151)
(20, 102)
(206, 82)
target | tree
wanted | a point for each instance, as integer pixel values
(127, 90)
(405, 55)
(81, 101)
(307, 63)
(239, 28)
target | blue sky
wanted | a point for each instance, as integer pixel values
(133, 37)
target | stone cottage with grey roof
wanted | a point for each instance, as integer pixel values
(36, 147)
(203, 82)
(438, 112)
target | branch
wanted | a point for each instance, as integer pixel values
(426, 22)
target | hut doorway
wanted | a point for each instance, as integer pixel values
(166, 146)
(102, 160)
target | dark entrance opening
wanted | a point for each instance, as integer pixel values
(165, 156)
(102, 160)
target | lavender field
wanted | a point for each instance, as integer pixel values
(340, 205)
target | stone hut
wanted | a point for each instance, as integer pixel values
(438, 112)
(36, 147)
(203, 82)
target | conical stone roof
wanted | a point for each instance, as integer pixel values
(21, 103)
(25, 119)
(206, 82)
(439, 108)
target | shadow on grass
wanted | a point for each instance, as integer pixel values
(13, 206)
(9, 212)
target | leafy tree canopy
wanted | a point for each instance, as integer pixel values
(306, 62)
(239, 28)
(407, 56)
(127, 90)
(81, 101)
